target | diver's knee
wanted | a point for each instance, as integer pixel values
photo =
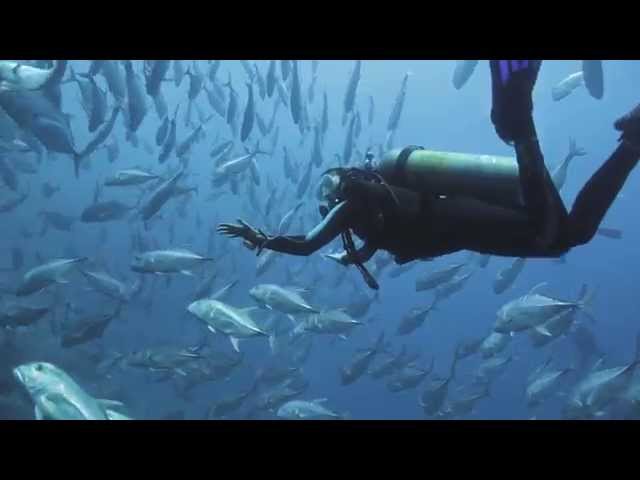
(582, 237)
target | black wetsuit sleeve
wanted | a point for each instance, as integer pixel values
(336, 222)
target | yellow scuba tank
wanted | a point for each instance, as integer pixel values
(489, 178)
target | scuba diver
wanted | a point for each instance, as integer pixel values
(418, 204)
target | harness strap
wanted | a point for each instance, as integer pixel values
(399, 172)
(347, 241)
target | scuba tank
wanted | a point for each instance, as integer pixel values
(488, 178)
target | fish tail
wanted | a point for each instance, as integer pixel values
(118, 310)
(45, 227)
(585, 301)
(486, 391)
(345, 416)
(613, 233)
(454, 364)
(380, 343)
(77, 160)
(575, 150)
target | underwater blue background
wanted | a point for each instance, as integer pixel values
(436, 116)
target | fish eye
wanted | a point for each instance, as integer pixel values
(39, 367)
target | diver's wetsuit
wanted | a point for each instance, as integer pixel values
(425, 225)
(412, 225)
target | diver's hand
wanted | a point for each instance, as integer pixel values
(253, 238)
(341, 258)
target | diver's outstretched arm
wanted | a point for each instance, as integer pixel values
(336, 222)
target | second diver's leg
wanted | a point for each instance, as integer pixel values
(599, 193)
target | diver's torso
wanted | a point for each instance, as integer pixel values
(423, 226)
(408, 230)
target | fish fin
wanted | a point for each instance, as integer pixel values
(113, 415)
(235, 343)
(300, 290)
(272, 344)
(537, 288)
(211, 329)
(293, 320)
(38, 413)
(300, 328)
(542, 330)
(69, 409)
(320, 400)
(187, 273)
(109, 404)
(598, 364)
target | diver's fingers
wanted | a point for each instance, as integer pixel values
(230, 226)
(229, 230)
(244, 224)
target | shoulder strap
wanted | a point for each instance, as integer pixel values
(398, 175)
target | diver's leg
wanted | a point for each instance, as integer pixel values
(512, 83)
(512, 116)
(542, 200)
(599, 193)
(472, 224)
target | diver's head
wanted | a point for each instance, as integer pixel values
(368, 161)
(335, 184)
(328, 192)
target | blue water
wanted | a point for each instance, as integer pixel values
(436, 116)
